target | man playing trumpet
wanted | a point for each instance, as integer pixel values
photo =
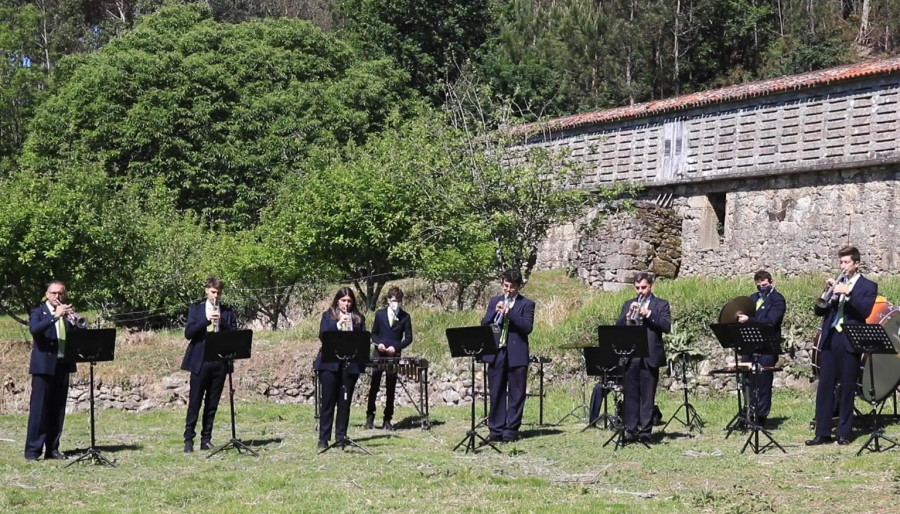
(49, 372)
(207, 378)
(848, 300)
(642, 374)
(511, 316)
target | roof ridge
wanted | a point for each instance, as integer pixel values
(731, 93)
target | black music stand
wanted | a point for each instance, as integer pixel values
(472, 342)
(756, 339)
(725, 334)
(871, 339)
(227, 347)
(93, 346)
(583, 406)
(598, 361)
(692, 419)
(626, 342)
(540, 360)
(345, 347)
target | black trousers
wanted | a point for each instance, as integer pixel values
(337, 390)
(46, 412)
(837, 365)
(761, 387)
(390, 388)
(639, 396)
(206, 388)
(507, 385)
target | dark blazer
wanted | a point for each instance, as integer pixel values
(771, 312)
(195, 332)
(857, 308)
(399, 336)
(521, 323)
(45, 350)
(658, 323)
(329, 324)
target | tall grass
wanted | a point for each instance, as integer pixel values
(566, 311)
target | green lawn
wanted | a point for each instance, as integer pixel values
(554, 469)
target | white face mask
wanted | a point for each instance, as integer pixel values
(394, 305)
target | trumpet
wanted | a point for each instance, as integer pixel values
(215, 321)
(828, 295)
(345, 322)
(498, 316)
(74, 318)
(634, 312)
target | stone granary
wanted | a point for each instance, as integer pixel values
(777, 174)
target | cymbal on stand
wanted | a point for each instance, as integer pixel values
(739, 305)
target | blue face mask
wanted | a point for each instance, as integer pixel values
(764, 289)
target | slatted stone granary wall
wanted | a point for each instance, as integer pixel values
(776, 174)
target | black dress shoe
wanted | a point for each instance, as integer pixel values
(388, 426)
(31, 458)
(206, 445)
(644, 438)
(816, 441)
(843, 441)
(370, 422)
(495, 438)
(322, 444)
(189, 447)
(56, 454)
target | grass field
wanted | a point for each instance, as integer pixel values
(553, 469)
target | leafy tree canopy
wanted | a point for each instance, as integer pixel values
(220, 113)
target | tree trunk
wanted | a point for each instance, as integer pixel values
(863, 37)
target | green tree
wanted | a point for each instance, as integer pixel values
(219, 112)
(431, 40)
(72, 227)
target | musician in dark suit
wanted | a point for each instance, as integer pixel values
(391, 333)
(511, 316)
(207, 378)
(338, 379)
(642, 374)
(850, 302)
(770, 309)
(49, 371)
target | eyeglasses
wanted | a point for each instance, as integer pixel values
(56, 292)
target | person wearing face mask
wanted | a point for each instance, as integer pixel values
(338, 379)
(511, 316)
(770, 309)
(391, 333)
(851, 302)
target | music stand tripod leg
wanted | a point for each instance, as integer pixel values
(873, 443)
(751, 421)
(93, 453)
(234, 442)
(692, 418)
(585, 411)
(472, 434)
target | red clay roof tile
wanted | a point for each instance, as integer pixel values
(716, 96)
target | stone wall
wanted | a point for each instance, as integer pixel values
(450, 385)
(608, 247)
(792, 224)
